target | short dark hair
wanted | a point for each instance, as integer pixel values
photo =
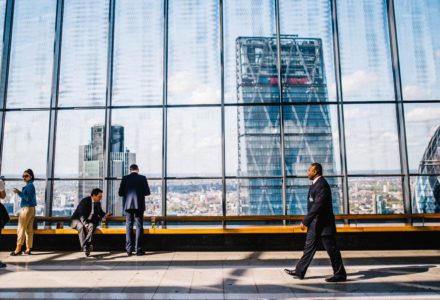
(134, 167)
(318, 167)
(96, 192)
(31, 173)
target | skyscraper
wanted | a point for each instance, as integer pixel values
(426, 198)
(91, 163)
(307, 126)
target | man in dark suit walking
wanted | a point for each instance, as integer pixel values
(320, 222)
(86, 218)
(133, 189)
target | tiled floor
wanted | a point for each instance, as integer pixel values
(218, 275)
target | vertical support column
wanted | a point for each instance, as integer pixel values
(7, 35)
(164, 111)
(53, 108)
(108, 103)
(280, 91)
(339, 97)
(399, 107)
(222, 95)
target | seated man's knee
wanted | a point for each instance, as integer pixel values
(79, 226)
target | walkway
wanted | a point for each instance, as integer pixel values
(218, 275)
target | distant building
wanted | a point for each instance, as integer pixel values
(91, 164)
(426, 198)
(307, 125)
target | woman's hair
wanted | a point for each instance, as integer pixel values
(30, 172)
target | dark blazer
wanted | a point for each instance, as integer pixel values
(320, 218)
(4, 216)
(82, 212)
(133, 189)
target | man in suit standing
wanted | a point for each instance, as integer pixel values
(320, 222)
(133, 189)
(86, 218)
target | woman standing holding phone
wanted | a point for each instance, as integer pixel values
(27, 214)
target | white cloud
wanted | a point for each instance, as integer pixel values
(388, 137)
(423, 114)
(355, 114)
(188, 89)
(359, 83)
(415, 92)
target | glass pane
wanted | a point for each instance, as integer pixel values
(422, 135)
(80, 144)
(371, 139)
(311, 135)
(194, 197)
(31, 62)
(297, 190)
(231, 140)
(136, 138)
(425, 191)
(250, 51)
(68, 193)
(12, 201)
(365, 50)
(307, 50)
(252, 197)
(194, 52)
(138, 52)
(375, 195)
(419, 48)
(194, 142)
(253, 141)
(25, 143)
(84, 53)
(153, 203)
(2, 23)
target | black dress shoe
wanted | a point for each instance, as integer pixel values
(129, 253)
(2, 265)
(336, 278)
(27, 252)
(15, 254)
(140, 253)
(87, 251)
(293, 274)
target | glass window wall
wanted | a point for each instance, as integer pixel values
(173, 64)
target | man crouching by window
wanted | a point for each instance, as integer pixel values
(86, 218)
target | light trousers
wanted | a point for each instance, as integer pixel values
(25, 228)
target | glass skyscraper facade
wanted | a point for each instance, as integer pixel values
(222, 103)
(427, 192)
(308, 134)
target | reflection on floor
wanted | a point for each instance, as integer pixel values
(218, 275)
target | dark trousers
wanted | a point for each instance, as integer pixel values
(137, 217)
(85, 234)
(312, 242)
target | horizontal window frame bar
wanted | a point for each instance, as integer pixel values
(219, 105)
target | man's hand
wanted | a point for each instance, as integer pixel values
(302, 226)
(109, 214)
(16, 191)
